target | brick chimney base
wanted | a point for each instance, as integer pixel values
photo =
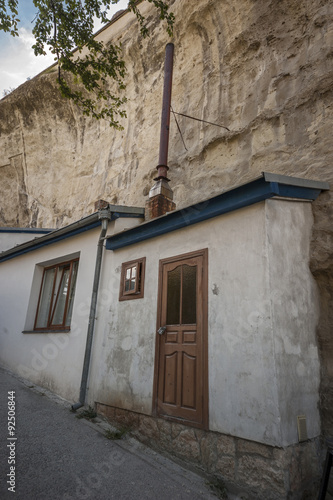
(158, 205)
(100, 205)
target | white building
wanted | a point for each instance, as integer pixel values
(197, 329)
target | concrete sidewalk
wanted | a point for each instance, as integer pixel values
(58, 456)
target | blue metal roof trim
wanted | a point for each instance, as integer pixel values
(30, 230)
(240, 197)
(39, 244)
(52, 236)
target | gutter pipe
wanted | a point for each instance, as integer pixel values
(104, 215)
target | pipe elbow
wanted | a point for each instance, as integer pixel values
(76, 406)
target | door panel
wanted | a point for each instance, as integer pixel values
(188, 381)
(170, 377)
(181, 350)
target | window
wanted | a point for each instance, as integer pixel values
(132, 279)
(56, 296)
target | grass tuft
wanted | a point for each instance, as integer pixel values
(117, 434)
(88, 414)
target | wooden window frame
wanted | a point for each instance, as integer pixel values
(138, 291)
(49, 327)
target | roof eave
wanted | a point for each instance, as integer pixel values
(85, 224)
(264, 187)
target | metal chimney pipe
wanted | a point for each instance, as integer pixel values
(162, 167)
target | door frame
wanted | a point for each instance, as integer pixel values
(204, 254)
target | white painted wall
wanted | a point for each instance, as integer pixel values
(243, 390)
(295, 314)
(252, 384)
(51, 360)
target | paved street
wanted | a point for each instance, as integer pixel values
(57, 456)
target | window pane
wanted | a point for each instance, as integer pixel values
(132, 279)
(45, 299)
(60, 296)
(173, 297)
(189, 298)
(71, 294)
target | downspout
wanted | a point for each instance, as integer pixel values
(104, 215)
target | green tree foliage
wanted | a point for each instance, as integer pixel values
(66, 28)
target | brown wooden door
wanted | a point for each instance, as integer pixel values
(181, 370)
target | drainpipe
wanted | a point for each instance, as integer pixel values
(104, 215)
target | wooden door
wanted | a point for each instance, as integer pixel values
(182, 339)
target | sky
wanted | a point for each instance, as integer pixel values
(17, 60)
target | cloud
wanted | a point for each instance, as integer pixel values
(17, 59)
(18, 62)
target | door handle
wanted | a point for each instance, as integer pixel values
(161, 330)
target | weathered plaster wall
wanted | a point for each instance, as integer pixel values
(242, 378)
(263, 68)
(295, 313)
(256, 382)
(52, 360)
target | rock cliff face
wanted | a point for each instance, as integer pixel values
(262, 68)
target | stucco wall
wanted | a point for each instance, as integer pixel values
(50, 360)
(257, 385)
(295, 313)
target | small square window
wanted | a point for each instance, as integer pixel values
(132, 279)
(56, 297)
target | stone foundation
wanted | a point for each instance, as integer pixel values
(254, 470)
